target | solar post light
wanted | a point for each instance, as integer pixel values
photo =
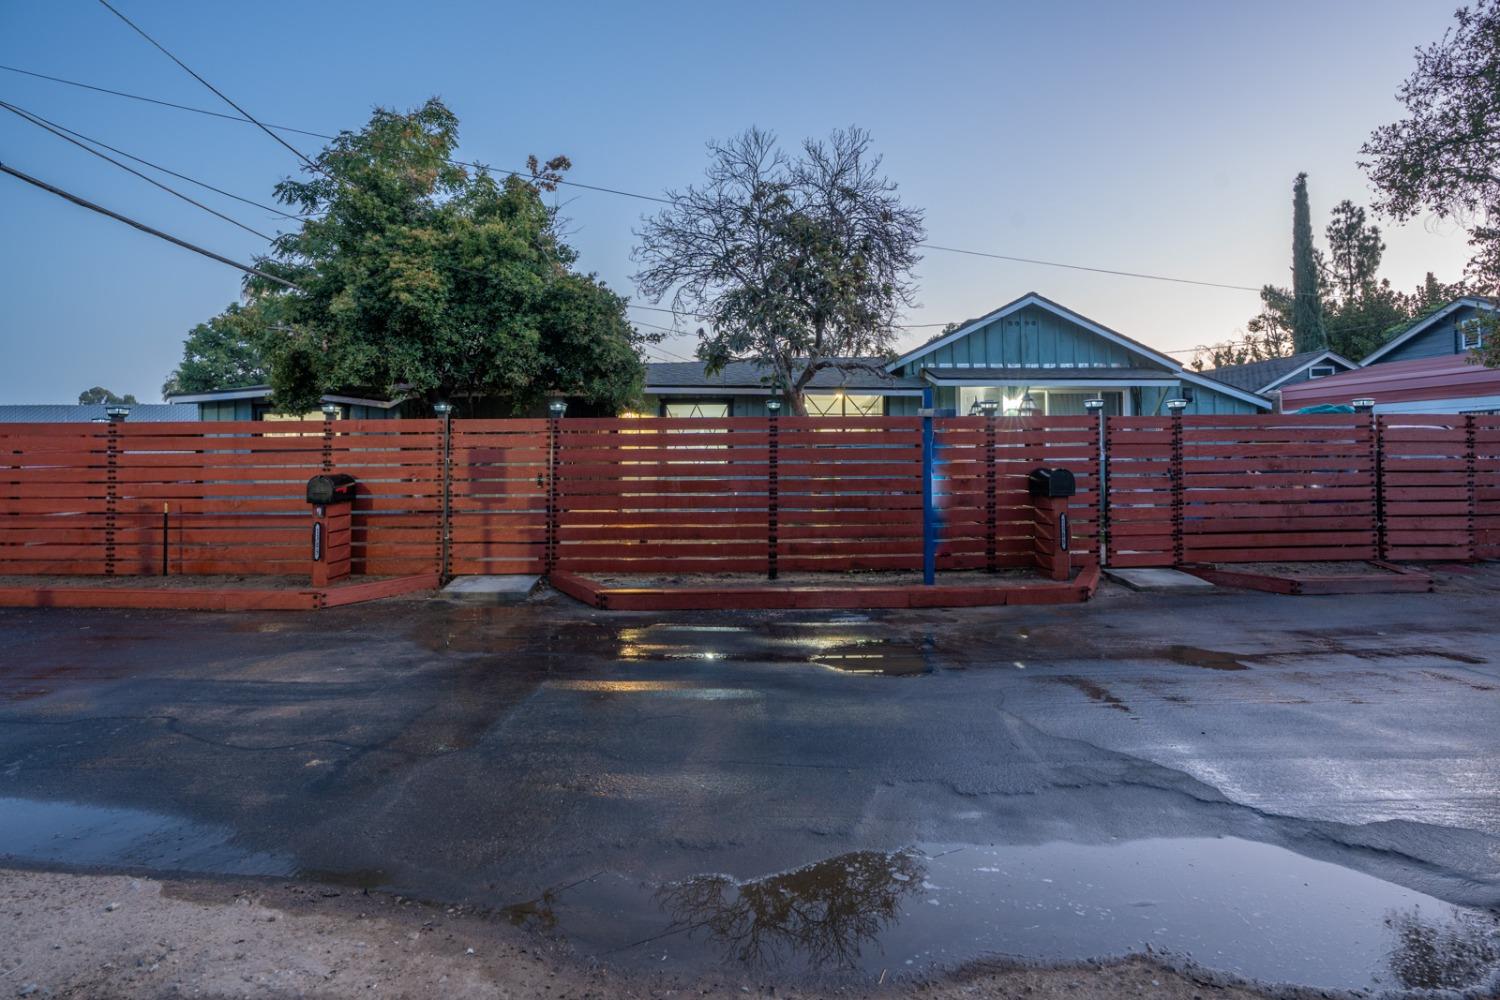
(116, 412)
(442, 409)
(330, 410)
(989, 406)
(773, 406)
(1177, 405)
(557, 408)
(1094, 404)
(1363, 405)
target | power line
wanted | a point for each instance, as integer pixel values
(75, 199)
(222, 96)
(40, 123)
(1141, 275)
(155, 166)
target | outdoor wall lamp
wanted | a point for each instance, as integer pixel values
(1027, 407)
(1094, 405)
(1363, 405)
(442, 409)
(557, 408)
(1177, 405)
(330, 410)
(117, 412)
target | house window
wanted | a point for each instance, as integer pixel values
(1470, 335)
(844, 404)
(695, 408)
(1320, 371)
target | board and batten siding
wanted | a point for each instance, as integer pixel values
(1439, 339)
(1031, 336)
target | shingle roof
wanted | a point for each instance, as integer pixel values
(82, 413)
(1256, 374)
(755, 375)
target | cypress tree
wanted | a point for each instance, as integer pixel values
(1307, 313)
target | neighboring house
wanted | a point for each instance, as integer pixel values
(1265, 377)
(685, 389)
(82, 413)
(1033, 347)
(1427, 368)
(254, 403)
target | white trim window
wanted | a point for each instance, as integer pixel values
(1321, 371)
(1471, 335)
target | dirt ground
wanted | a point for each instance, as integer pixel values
(1339, 568)
(116, 936)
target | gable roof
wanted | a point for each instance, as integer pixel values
(1263, 376)
(754, 376)
(1426, 322)
(1041, 301)
(1099, 329)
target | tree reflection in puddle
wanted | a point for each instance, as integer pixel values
(823, 914)
(1442, 955)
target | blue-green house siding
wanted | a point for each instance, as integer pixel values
(1027, 337)
(1439, 339)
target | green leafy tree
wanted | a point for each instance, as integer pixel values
(1307, 313)
(99, 394)
(225, 352)
(799, 263)
(417, 278)
(1360, 310)
(1444, 156)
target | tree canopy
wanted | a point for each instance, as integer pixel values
(798, 262)
(1444, 156)
(1307, 310)
(99, 394)
(420, 278)
(225, 352)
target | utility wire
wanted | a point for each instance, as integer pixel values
(221, 95)
(75, 199)
(153, 166)
(660, 200)
(128, 169)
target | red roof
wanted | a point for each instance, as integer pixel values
(1451, 376)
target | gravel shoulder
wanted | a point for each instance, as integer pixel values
(68, 935)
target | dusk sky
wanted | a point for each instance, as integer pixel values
(1150, 137)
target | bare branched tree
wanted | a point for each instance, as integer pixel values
(800, 264)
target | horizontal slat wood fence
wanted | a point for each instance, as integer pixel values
(744, 494)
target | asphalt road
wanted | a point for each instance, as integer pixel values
(606, 777)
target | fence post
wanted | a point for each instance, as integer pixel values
(111, 491)
(1382, 543)
(555, 410)
(445, 511)
(1177, 515)
(330, 410)
(990, 530)
(1101, 522)
(929, 505)
(773, 487)
(1471, 469)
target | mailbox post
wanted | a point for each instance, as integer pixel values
(1051, 490)
(332, 500)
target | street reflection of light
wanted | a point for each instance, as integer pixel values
(621, 687)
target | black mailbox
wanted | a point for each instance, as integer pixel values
(330, 489)
(1051, 483)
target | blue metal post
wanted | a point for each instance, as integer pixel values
(929, 504)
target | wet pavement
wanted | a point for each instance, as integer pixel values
(1294, 790)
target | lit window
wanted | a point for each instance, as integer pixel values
(696, 408)
(844, 404)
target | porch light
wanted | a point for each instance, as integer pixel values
(557, 408)
(1177, 405)
(1363, 404)
(117, 412)
(442, 409)
(1027, 407)
(1094, 404)
(989, 406)
(330, 410)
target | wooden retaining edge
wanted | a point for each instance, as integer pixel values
(1392, 579)
(581, 588)
(240, 599)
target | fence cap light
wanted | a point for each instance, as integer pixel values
(557, 407)
(442, 409)
(1363, 403)
(330, 409)
(1093, 403)
(989, 406)
(1177, 405)
(773, 404)
(116, 412)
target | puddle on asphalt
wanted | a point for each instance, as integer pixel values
(1232, 905)
(73, 834)
(1211, 659)
(836, 645)
(1096, 691)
